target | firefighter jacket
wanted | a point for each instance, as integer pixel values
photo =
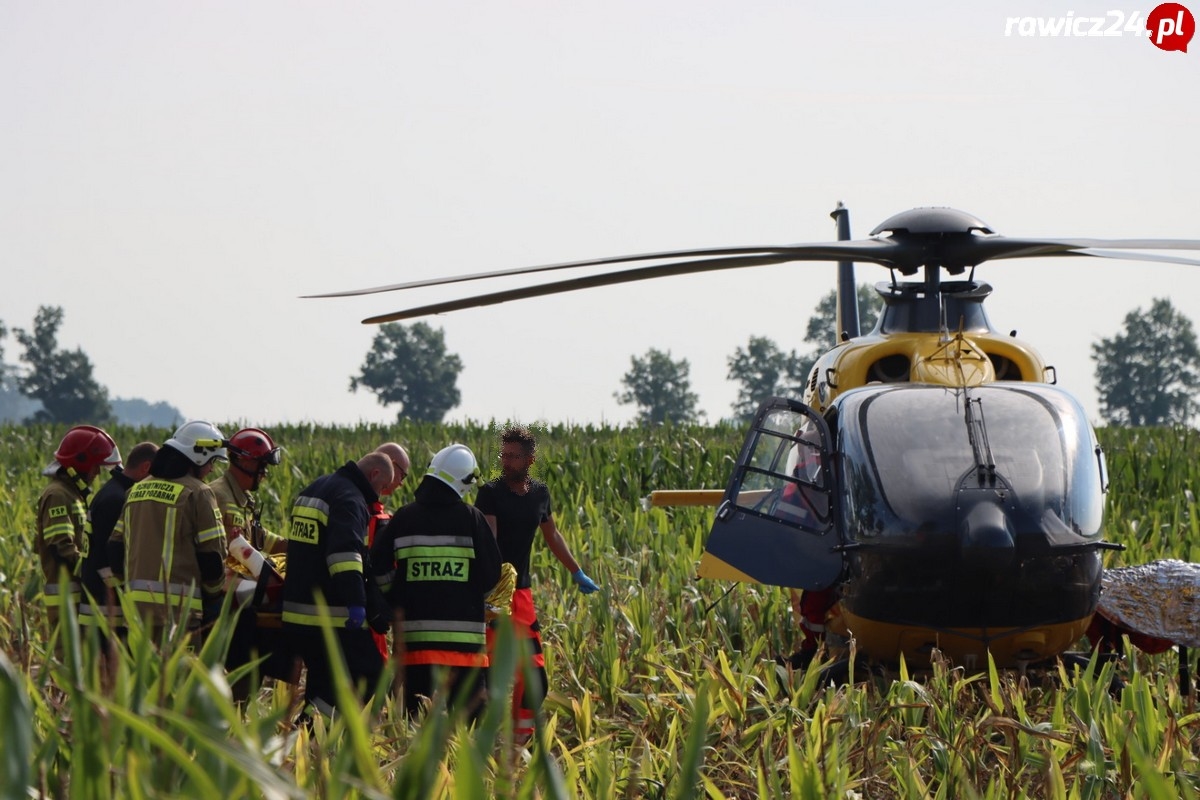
(327, 547)
(436, 561)
(239, 513)
(61, 523)
(173, 543)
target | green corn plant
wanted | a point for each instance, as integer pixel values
(660, 685)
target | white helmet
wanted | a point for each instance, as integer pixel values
(200, 441)
(455, 466)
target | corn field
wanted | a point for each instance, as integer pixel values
(661, 686)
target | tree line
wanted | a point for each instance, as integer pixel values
(50, 384)
(1146, 375)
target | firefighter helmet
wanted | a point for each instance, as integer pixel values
(84, 448)
(456, 467)
(200, 441)
(255, 444)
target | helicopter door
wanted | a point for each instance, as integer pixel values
(775, 522)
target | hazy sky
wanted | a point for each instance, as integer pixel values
(176, 174)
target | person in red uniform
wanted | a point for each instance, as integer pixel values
(516, 507)
(804, 506)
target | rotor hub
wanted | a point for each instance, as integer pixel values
(932, 220)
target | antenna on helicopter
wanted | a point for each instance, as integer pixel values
(847, 289)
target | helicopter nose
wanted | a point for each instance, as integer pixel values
(986, 537)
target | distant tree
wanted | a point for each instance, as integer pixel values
(410, 366)
(138, 412)
(1148, 374)
(660, 387)
(61, 379)
(763, 370)
(8, 391)
(822, 325)
(14, 406)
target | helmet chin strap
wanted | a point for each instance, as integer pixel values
(257, 474)
(84, 487)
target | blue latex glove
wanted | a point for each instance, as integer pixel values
(357, 618)
(586, 584)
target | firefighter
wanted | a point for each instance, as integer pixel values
(62, 511)
(400, 465)
(95, 574)
(380, 516)
(252, 452)
(327, 546)
(169, 545)
(436, 561)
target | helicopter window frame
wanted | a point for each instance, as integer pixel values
(765, 498)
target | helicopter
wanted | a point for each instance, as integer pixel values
(932, 477)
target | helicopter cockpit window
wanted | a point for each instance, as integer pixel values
(774, 524)
(908, 453)
(785, 477)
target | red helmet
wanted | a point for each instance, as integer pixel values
(256, 444)
(86, 447)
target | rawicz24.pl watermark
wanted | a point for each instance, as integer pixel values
(1170, 26)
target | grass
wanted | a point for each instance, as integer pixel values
(662, 686)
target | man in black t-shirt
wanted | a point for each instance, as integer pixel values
(516, 507)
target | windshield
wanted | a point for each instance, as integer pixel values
(907, 453)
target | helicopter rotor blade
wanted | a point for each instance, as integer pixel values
(1116, 254)
(1002, 247)
(864, 249)
(956, 252)
(1132, 244)
(875, 251)
(717, 251)
(888, 251)
(929, 238)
